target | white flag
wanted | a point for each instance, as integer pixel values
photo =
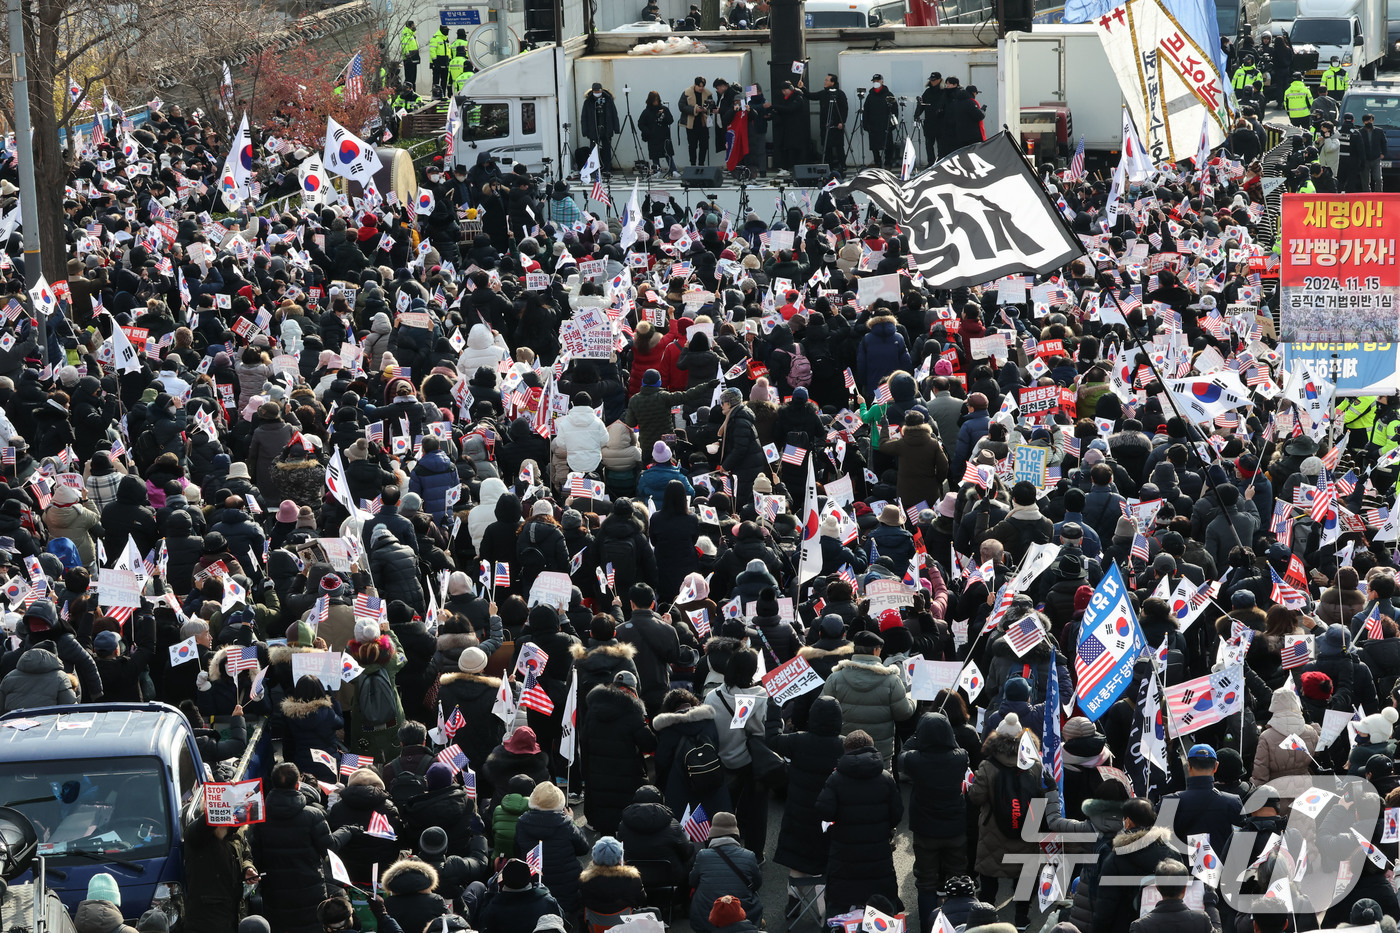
(238, 167)
(907, 168)
(348, 155)
(971, 681)
(631, 220)
(315, 183)
(504, 707)
(1154, 732)
(1136, 159)
(590, 168)
(811, 562)
(1027, 755)
(1049, 887)
(1205, 864)
(568, 736)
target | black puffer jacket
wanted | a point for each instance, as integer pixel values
(185, 548)
(741, 448)
(131, 514)
(474, 695)
(617, 737)
(935, 765)
(812, 757)
(290, 846)
(863, 802)
(649, 832)
(563, 844)
(511, 911)
(410, 885)
(394, 567)
(349, 819)
(1136, 853)
(448, 807)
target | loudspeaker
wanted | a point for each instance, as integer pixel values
(702, 176)
(810, 175)
(1015, 15)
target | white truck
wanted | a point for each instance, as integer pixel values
(1352, 31)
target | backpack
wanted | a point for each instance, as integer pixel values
(622, 554)
(799, 369)
(146, 448)
(701, 766)
(378, 698)
(409, 784)
(1012, 793)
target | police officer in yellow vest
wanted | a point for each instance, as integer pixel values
(1360, 416)
(1383, 436)
(1298, 100)
(438, 57)
(408, 51)
(459, 45)
(1245, 75)
(1334, 80)
(458, 68)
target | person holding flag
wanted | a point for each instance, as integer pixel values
(549, 823)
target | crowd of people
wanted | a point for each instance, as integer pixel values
(548, 495)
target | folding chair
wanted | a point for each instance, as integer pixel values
(656, 881)
(595, 922)
(809, 890)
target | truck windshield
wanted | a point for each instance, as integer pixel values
(114, 805)
(1321, 32)
(1384, 107)
(1227, 17)
(1281, 11)
(836, 19)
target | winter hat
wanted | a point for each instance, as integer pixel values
(66, 495)
(550, 921)
(831, 625)
(1365, 911)
(571, 520)
(1017, 690)
(981, 914)
(1077, 727)
(1242, 599)
(254, 924)
(867, 642)
(889, 619)
(724, 824)
(959, 886)
(607, 851)
(366, 631)
(767, 605)
(1317, 686)
(1082, 597)
(472, 660)
(153, 921)
(1312, 466)
(660, 452)
(106, 642)
(300, 635)
(1011, 725)
(1378, 726)
(546, 796)
(726, 911)
(516, 875)
(287, 512)
(943, 368)
(948, 505)
(1332, 643)
(458, 584)
(439, 776)
(103, 887)
(651, 378)
(433, 841)
(331, 584)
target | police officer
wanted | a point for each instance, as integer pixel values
(439, 54)
(459, 45)
(1334, 80)
(1298, 100)
(458, 66)
(1245, 74)
(408, 51)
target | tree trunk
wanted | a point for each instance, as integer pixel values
(50, 169)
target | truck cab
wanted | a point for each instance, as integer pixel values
(852, 14)
(1352, 31)
(109, 788)
(509, 130)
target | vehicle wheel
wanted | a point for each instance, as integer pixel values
(1368, 72)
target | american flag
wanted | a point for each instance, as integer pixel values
(502, 575)
(1076, 162)
(1346, 484)
(1375, 518)
(118, 448)
(349, 764)
(7, 456)
(983, 574)
(850, 379)
(454, 722)
(1024, 634)
(696, 824)
(469, 781)
(1294, 652)
(981, 476)
(847, 575)
(534, 696)
(968, 780)
(535, 858)
(794, 455)
(155, 210)
(1322, 502)
(1286, 593)
(354, 80)
(883, 394)
(1282, 523)
(598, 194)
(369, 607)
(1333, 456)
(453, 757)
(1372, 628)
(379, 826)
(122, 614)
(242, 659)
(1092, 662)
(375, 433)
(1140, 546)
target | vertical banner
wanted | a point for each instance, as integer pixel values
(1339, 277)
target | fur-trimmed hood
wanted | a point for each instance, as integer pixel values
(613, 650)
(216, 661)
(276, 654)
(812, 652)
(694, 714)
(1130, 439)
(462, 677)
(595, 870)
(1253, 616)
(457, 642)
(1002, 748)
(1135, 840)
(293, 708)
(867, 662)
(409, 876)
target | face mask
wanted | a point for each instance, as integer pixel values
(597, 93)
(877, 85)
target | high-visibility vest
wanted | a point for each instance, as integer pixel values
(437, 46)
(1244, 77)
(1360, 412)
(456, 67)
(408, 41)
(1297, 100)
(1334, 79)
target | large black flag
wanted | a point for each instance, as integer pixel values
(973, 217)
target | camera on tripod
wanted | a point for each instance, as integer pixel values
(860, 92)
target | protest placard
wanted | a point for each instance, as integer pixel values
(117, 587)
(237, 804)
(790, 680)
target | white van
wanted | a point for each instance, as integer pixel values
(1277, 16)
(852, 14)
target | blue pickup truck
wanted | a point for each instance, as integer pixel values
(109, 787)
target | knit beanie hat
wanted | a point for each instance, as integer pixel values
(1017, 690)
(726, 911)
(607, 851)
(1011, 725)
(103, 887)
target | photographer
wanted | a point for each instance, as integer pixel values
(697, 105)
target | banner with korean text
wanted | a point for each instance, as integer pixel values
(1339, 277)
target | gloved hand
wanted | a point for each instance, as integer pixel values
(202, 681)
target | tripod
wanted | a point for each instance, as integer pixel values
(856, 125)
(780, 209)
(640, 165)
